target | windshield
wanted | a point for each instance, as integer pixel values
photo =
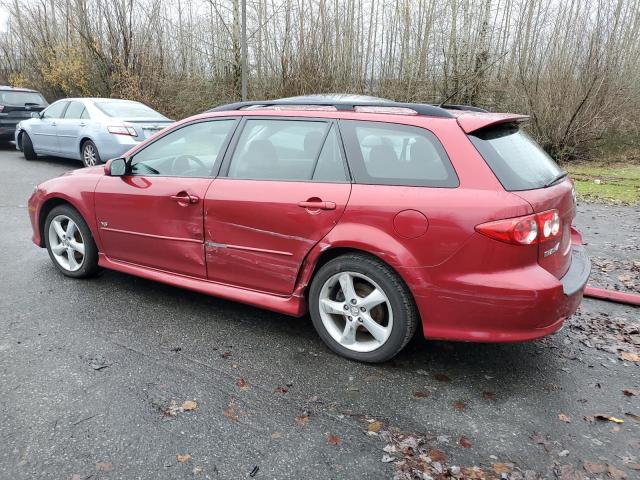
(21, 98)
(517, 160)
(128, 110)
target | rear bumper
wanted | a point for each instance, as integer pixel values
(501, 306)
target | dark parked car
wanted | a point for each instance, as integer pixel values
(16, 104)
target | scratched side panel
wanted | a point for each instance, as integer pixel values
(256, 234)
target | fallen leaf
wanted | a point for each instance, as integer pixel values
(437, 455)
(602, 416)
(302, 419)
(197, 470)
(569, 472)
(630, 357)
(231, 413)
(242, 384)
(615, 472)
(594, 468)
(489, 396)
(421, 394)
(564, 418)
(374, 427)
(185, 457)
(501, 468)
(387, 458)
(275, 435)
(441, 377)
(464, 442)
(225, 354)
(633, 466)
(630, 393)
(633, 416)
(281, 389)
(189, 405)
(75, 476)
(104, 466)
(459, 405)
(333, 439)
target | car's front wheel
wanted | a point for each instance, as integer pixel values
(90, 155)
(27, 147)
(361, 308)
(70, 243)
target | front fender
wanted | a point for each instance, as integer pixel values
(74, 189)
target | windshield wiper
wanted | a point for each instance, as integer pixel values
(558, 177)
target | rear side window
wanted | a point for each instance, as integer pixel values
(516, 160)
(295, 150)
(8, 97)
(391, 154)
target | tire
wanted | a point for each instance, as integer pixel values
(60, 247)
(394, 313)
(27, 147)
(90, 154)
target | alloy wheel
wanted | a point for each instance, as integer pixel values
(89, 155)
(355, 311)
(66, 243)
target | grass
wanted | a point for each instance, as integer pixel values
(613, 183)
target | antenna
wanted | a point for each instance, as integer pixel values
(471, 82)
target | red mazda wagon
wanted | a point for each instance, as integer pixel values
(375, 217)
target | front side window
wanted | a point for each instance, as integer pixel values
(392, 154)
(74, 111)
(298, 150)
(190, 151)
(55, 111)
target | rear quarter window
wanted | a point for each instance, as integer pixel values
(517, 161)
(392, 154)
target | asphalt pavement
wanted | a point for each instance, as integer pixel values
(94, 376)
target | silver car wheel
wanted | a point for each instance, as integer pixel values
(66, 243)
(89, 155)
(355, 311)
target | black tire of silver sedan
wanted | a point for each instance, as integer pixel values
(361, 308)
(70, 243)
(90, 154)
(27, 147)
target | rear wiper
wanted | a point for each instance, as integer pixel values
(31, 103)
(559, 176)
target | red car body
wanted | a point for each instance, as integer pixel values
(251, 241)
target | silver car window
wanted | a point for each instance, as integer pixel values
(74, 110)
(55, 111)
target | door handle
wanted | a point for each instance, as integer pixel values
(82, 124)
(53, 123)
(317, 205)
(183, 198)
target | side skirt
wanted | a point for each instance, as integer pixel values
(293, 305)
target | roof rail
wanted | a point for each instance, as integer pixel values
(344, 105)
(468, 108)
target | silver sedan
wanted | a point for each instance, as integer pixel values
(92, 130)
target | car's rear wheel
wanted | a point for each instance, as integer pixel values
(70, 243)
(90, 155)
(27, 147)
(361, 308)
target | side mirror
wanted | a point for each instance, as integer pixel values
(35, 115)
(116, 167)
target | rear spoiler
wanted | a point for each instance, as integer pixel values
(474, 121)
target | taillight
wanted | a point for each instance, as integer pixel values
(122, 130)
(526, 230)
(1, 108)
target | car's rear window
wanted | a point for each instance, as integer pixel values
(517, 161)
(393, 154)
(128, 110)
(21, 98)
